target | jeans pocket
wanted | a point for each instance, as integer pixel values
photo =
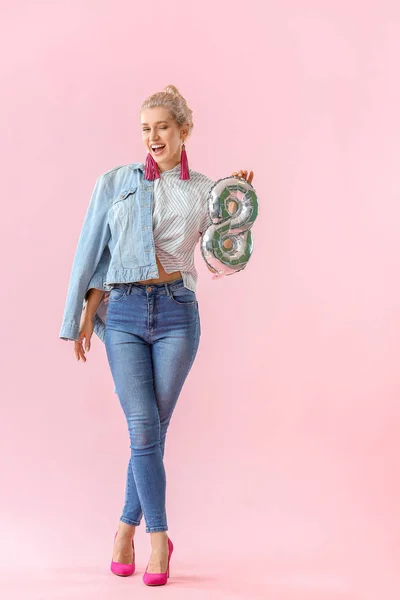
(183, 295)
(117, 293)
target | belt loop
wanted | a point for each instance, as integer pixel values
(167, 289)
(129, 288)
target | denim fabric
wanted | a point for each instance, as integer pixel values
(116, 243)
(105, 246)
(152, 336)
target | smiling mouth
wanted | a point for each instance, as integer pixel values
(158, 151)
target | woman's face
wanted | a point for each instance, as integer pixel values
(159, 128)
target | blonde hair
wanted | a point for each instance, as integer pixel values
(172, 100)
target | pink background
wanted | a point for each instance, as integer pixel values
(283, 453)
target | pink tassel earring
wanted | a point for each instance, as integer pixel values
(151, 170)
(184, 164)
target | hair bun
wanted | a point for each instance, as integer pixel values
(171, 89)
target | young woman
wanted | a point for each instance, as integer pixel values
(137, 242)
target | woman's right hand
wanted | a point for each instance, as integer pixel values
(85, 333)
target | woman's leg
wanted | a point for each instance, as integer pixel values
(130, 361)
(178, 350)
(173, 353)
(123, 551)
(149, 371)
(132, 511)
(168, 384)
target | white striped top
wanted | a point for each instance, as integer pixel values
(180, 216)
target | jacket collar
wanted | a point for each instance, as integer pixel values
(141, 167)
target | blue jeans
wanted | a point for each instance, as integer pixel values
(152, 335)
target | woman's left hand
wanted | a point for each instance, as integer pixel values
(243, 174)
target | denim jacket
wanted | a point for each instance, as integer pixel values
(116, 244)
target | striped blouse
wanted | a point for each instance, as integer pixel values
(180, 216)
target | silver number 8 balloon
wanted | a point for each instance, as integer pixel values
(227, 243)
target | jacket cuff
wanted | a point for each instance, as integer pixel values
(97, 282)
(69, 331)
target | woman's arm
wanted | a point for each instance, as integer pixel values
(93, 239)
(94, 297)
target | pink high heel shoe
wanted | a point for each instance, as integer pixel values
(121, 568)
(159, 578)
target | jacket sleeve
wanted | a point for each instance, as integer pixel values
(98, 278)
(90, 258)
